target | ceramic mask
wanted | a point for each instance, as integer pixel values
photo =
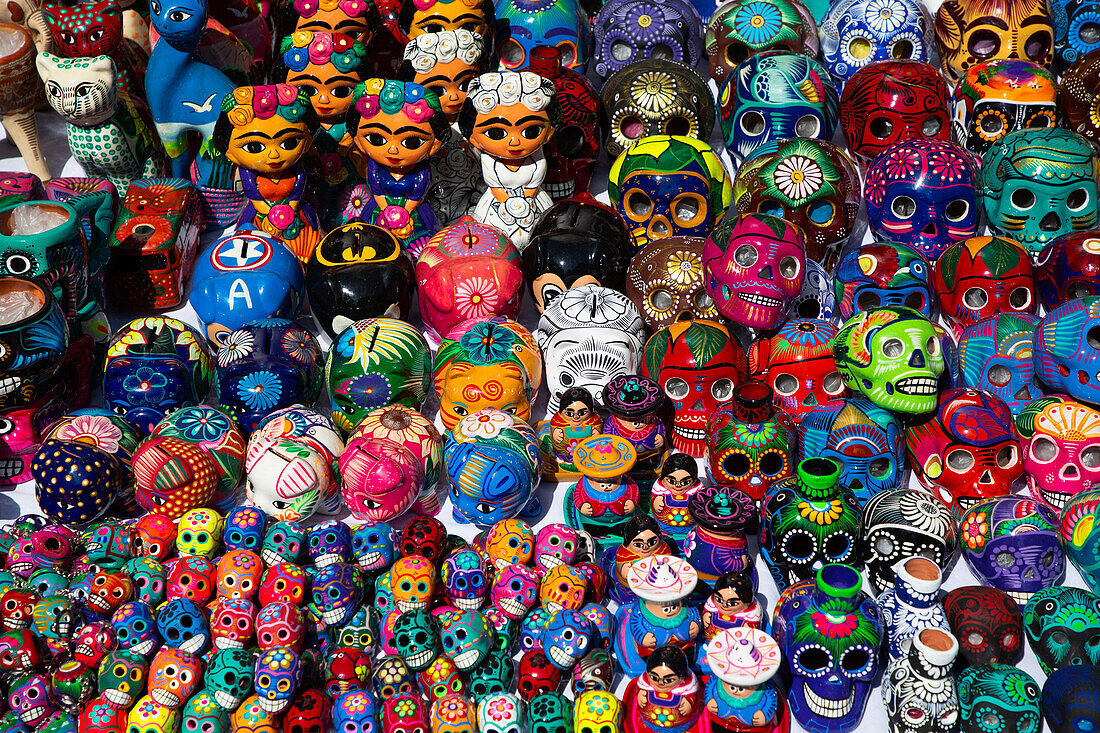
(857, 33)
(999, 97)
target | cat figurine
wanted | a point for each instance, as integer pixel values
(110, 134)
(96, 28)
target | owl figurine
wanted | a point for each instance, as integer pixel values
(110, 133)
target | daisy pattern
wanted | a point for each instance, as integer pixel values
(475, 297)
(948, 165)
(95, 429)
(886, 16)
(260, 390)
(757, 22)
(301, 346)
(486, 423)
(237, 346)
(587, 305)
(653, 90)
(798, 177)
(684, 268)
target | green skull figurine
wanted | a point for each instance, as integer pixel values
(549, 713)
(229, 677)
(202, 713)
(494, 675)
(361, 631)
(893, 356)
(122, 677)
(1038, 184)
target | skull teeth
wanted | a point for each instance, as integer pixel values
(826, 708)
(225, 700)
(690, 433)
(332, 616)
(193, 644)
(118, 697)
(84, 649)
(272, 706)
(561, 658)
(466, 660)
(549, 561)
(406, 606)
(14, 623)
(271, 557)
(1056, 499)
(368, 560)
(164, 697)
(222, 642)
(467, 604)
(327, 559)
(512, 607)
(9, 385)
(143, 647)
(31, 715)
(559, 189)
(761, 300)
(916, 385)
(418, 660)
(11, 467)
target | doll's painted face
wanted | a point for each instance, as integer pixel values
(449, 81)
(511, 132)
(663, 678)
(395, 142)
(678, 480)
(268, 146)
(335, 20)
(449, 16)
(330, 92)
(576, 413)
(645, 542)
(728, 600)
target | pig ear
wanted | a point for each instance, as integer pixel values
(442, 297)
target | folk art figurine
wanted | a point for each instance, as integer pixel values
(605, 497)
(575, 420)
(398, 126)
(508, 117)
(665, 699)
(635, 403)
(19, 90)
(677, 482)
(732, 604)
(641, 538)
(266, 131)
(658, 614)
(742, 694)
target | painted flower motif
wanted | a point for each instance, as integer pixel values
(973, 530)
(281, 216)
(486, 423)
(598, 705)
(834, 627)
(948, 165)
(875, 186)
(654, 90)
(645, 22)
(369, 390)
(354, 202)
(300, 346)
(95, 429)
(404, 709)
(451, 708)
(368, 106)
(589, 306)
(798, 177)
(260, 390)
(755, 435)
(886, 16)
(146, 386)
(822, 513)
(476, 297)
(902, 162)
(757, 22)
(203, 424)
(487, 343)
(684, 268)
(237, 346)
(470, 239)
(355, 704)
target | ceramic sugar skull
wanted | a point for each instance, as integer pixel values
(696, 379)
(1080, 537)
(1065, 268)
(810, 183)
(525, 25)
(1012, 543)
(1062, 457)
(883, 274)
(183, 625)
(1062, 624)
(467, 270)
(995, 355)
(921, 192)
(998, 692)
(982, 276)
(737, 30)
(34, 344)
(997, 97)
(287, 479)
(987, 623)
(493, 363)
(666, 284)
(154, 366)
(1038, 184)
(891, 101)
(968, 451)
(278, 673)
(893, 356)
(337, 592)
(627, 31)
(754, 265)
(863, 438)
(669, 185)
(744, 456)
(174, 676)
(1064, 354)
(588, 336)
(856, 33)
(969, 32)
(797, 361)
(774, 95)
(1078, 93)
(899, 524)
(374, 363)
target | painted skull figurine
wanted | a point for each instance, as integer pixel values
(810, 183)
(697, 381)
(997, 97)
(628, 31)
(921, 192)
(899, 524)
(1078, 93)
(746, 457)
(31, 699)
(278, 674)
(666, 284)
(1065, 358)
(1038, 184)
(1068, 268)
(668, 186)
(982, 276)
(416, 638)
(1062, 624)
(968, 451)
(797, 362)
(527, 24)
(467, 638)
(987, 623)
(995, 355)
(283, 542)
(656, 97)
(882, 274)
(754, 265)
(998, 695)
(892, 101)
(174, 676)
(555, 544)
(122, 678)
(464, 579)
(1012, 543)
(969, 32)
(738, 30)
(1062, 457)
(337, 592)
(893, 356)
(588, 336)
(233, 623)
(774, 95)
(857, 33)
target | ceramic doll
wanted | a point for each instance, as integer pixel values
(575, 420)
(397, 126)
(732, 604)
(605, 497)
(677, 482)
(641, 538)
(266, 131)
(445, 63)
(328, 67)
(658, 614)
(419, 17)
(508, 117)
(666, 698)
(635, 403)
(741, 694)
(358, 19)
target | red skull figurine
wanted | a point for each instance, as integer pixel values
(797, 361)
(536, 674)
(307, 713)
(982, 276)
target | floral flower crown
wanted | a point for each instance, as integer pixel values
(392, 97)
(425, 4)
(429, 49)
(489, 91)
(351, 8)
(307, 47)
(262, 102)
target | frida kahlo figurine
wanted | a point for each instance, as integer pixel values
(677, 482)
(397, 125)
(267, 131)
(658, 615)
(666, 698)
(575, 420)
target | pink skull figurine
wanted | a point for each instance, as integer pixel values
(381, 478)
(753, 266)
(515, 591)
(232, 623)
(280, 624)
(555, 544)
(1062, 458)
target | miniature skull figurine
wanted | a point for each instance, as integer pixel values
(665, 282)
(971, 31)
(1062, 458)
(856, 33)
(628, 31)
(737, 30)
(997, 97)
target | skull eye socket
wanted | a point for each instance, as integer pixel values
(992, 124)
(999, 375)
(736, 465)
(722, 389)
(813, 660)
(790, 267)
(807, 126)
(677, 388)
(1006, 456)
(893, 348)
(702, 301)
(746, 255)
(753, 123)
(881, 127)
(678, 126)
(833, 383)
(620, 51)
(1044, 450)
(868, 300)
(689, 209)
(983, 44)
(958, 209)
(770, 208)
(638, 204)
(931, 126)
(855, 660)
(1037, 46)
(1019, 298)
(786, 384)
(902, 50)
(860, 48)
(821, 212)
(975, 298)
(884, 546)
(1059, 637)
(1022, 199)
(772, 463)
(960, 459)
(736, 53)
(632, 127)
(1090, 457)
(1077, 199)
(932, 346)
(903, 207)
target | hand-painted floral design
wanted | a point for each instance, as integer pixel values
(260, 390)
